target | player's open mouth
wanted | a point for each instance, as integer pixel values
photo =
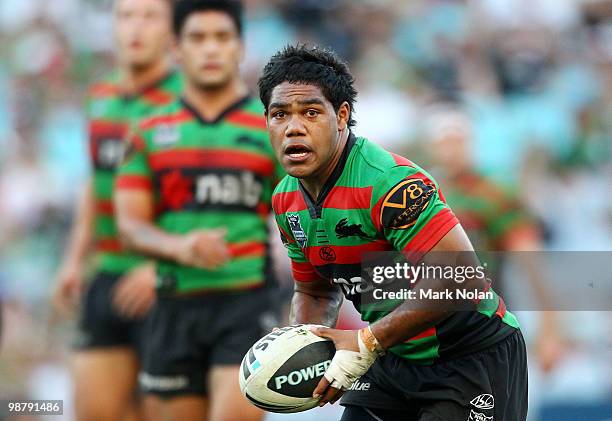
(297, 152)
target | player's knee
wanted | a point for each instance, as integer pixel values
(99, 410)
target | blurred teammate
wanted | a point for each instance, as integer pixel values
(194, 192)
(122, 286)
(345, 195)
(492, 216)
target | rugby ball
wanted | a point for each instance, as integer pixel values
(282, 369)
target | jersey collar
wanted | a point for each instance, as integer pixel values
(153, 85)
(235, 106)
(315, 207)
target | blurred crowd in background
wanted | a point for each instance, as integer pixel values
(535, 78)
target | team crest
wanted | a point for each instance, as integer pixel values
(405, 202)
(293, 219)
(166, 135)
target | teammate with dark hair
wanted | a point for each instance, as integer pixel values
(121, 290)
(343, 196)
(194, 192)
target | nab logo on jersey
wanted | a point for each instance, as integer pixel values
(293, 219)
(353, 286)
(229, 189)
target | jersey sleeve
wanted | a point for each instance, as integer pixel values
(134, 173)
(409, 210)
(511, 223)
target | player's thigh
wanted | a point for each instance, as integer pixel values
(226, 401)
(105, 382)
(359, 413)
(184, 408)
(174, 364)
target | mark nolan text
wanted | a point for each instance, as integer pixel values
(430, 294)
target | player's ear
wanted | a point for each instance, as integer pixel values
(343, 116)
(176, 50)
(242, 50)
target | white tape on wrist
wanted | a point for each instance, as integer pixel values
(348, 366)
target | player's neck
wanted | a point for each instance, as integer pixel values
(210, 103)
(315, 184)
(134, 79)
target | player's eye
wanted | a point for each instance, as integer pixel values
(278, 114)
(223, 36)
(312, 113)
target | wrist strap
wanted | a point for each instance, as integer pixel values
(370, 341)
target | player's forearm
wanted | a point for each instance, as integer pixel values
(312, 308)
(80, 239)
(403, 324)
(145, 238)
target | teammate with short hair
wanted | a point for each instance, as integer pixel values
(194, 192)
(121, 290)
(343, 196)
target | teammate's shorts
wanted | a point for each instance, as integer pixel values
(489, 385)
(187, 335)
(100, 326)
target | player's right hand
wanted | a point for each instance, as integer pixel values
(205, 249)
(68, 289)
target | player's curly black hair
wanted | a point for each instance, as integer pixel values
(182, 9)
(310, 65)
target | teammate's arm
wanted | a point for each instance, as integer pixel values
(135, 219)
(135, 211)
(70, 277)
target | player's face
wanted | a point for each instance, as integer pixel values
(210, 49)
(142, 31)
(304, 128)
(451, 152)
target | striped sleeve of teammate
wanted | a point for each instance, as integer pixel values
(133, 182)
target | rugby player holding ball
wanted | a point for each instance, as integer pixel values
(343, 196)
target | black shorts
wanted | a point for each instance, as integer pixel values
(185, 336)
(490, 385)
(100, 326)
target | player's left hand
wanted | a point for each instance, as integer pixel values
(135, 293)
(350, 362)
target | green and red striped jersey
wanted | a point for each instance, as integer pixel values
(492, 216)
(111, 114)
(378, 201)
(206, 175)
